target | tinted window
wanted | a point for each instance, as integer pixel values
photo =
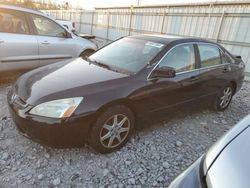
(47, 27)
(13, 22)
(209, 54)
(182, 58)
(226, 58)
(128, 54)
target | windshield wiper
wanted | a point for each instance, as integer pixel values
(99, 63)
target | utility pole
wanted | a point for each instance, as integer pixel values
(138, 2)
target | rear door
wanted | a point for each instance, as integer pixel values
(214, 71)
(18, 48)
(53, 45)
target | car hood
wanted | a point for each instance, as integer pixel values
(224, 142)
(193, 176)
(61, 80)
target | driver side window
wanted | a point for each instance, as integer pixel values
(47, 27)
(181, 58)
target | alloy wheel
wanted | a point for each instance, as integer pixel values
(114, 131)
(226, 98)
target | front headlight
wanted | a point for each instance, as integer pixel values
(61, 108)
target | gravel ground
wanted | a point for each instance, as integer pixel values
(154, 156)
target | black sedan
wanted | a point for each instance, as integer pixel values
(99, 100)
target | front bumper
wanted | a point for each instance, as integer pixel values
(60, 133)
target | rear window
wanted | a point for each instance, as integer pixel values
(209, 55)
(13, 22)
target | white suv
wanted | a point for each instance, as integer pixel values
(29, 39)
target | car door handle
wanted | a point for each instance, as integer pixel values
(45, 42)
(194, 78)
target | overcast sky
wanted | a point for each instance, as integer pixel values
(90, 4)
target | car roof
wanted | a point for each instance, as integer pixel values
(17, 8)
(167, 39)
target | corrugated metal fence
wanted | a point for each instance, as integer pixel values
(226, 23)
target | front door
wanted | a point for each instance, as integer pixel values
(169, 92)
(54, 46)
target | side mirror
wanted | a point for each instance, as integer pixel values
(238, 56)
(67, 34)
(163, 72)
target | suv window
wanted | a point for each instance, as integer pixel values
(210, 55)
(47, 27)
(13, 22)
(182, 58)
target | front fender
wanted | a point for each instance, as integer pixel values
(113, 92)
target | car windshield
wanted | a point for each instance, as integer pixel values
(127, 54)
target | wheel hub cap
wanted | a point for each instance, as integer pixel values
(225, 99)
(115, 130)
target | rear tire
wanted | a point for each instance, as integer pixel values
(112, 129)
(85, 54)
(224, 98)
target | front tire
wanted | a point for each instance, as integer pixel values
(224, 98)
(112, 129)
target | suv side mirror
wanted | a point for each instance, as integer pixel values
(163, 72)
(67, 34)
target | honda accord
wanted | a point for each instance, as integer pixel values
(99, 100)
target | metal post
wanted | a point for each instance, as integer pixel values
(107, 37)
(163, 22)
(130, 21)
(80, 28)
(138, 2)
(220, 25)
(92, 22)
(209, 18)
